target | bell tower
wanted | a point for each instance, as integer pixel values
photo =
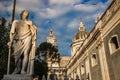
(51, 38)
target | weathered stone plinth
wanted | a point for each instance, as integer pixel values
(17, 77)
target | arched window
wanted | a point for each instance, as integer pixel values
(113, 43)
(82, 69)
(94, 59)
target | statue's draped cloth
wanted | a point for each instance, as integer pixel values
(25, 41)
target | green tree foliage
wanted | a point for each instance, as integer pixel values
(3, 47)
(4, 38)
(40, 69)
(48, 51)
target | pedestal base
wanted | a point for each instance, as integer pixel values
(18, 77)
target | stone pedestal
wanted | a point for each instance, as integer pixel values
(17, 77)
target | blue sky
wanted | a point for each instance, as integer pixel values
(62, 15)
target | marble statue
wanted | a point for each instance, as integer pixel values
(23, 38)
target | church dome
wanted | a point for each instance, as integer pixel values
(81, 34)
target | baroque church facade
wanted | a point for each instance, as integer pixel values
(96, 55)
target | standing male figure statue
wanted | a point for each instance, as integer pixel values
(23, 37)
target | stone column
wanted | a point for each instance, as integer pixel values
(103, 61)
(87, 66)
(78, 71)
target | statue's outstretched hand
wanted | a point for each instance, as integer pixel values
(9, 44)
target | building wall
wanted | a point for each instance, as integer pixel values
(95, 53)
(95, 67)
(113, 58)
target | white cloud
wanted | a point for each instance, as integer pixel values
(56, 8)
(2, 7)
(32, 5)
(86, 8)
(39, 8)
(53, 12)
(73, 24)
(89, 7)
(50, 13)
(5, 6)
(63, 2)
(45, 11)
(65, 27)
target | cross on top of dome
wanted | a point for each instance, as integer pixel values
(81, 26)
(51, 31)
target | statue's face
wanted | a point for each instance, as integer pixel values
(24, 15)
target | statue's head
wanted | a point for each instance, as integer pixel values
(24, 14)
